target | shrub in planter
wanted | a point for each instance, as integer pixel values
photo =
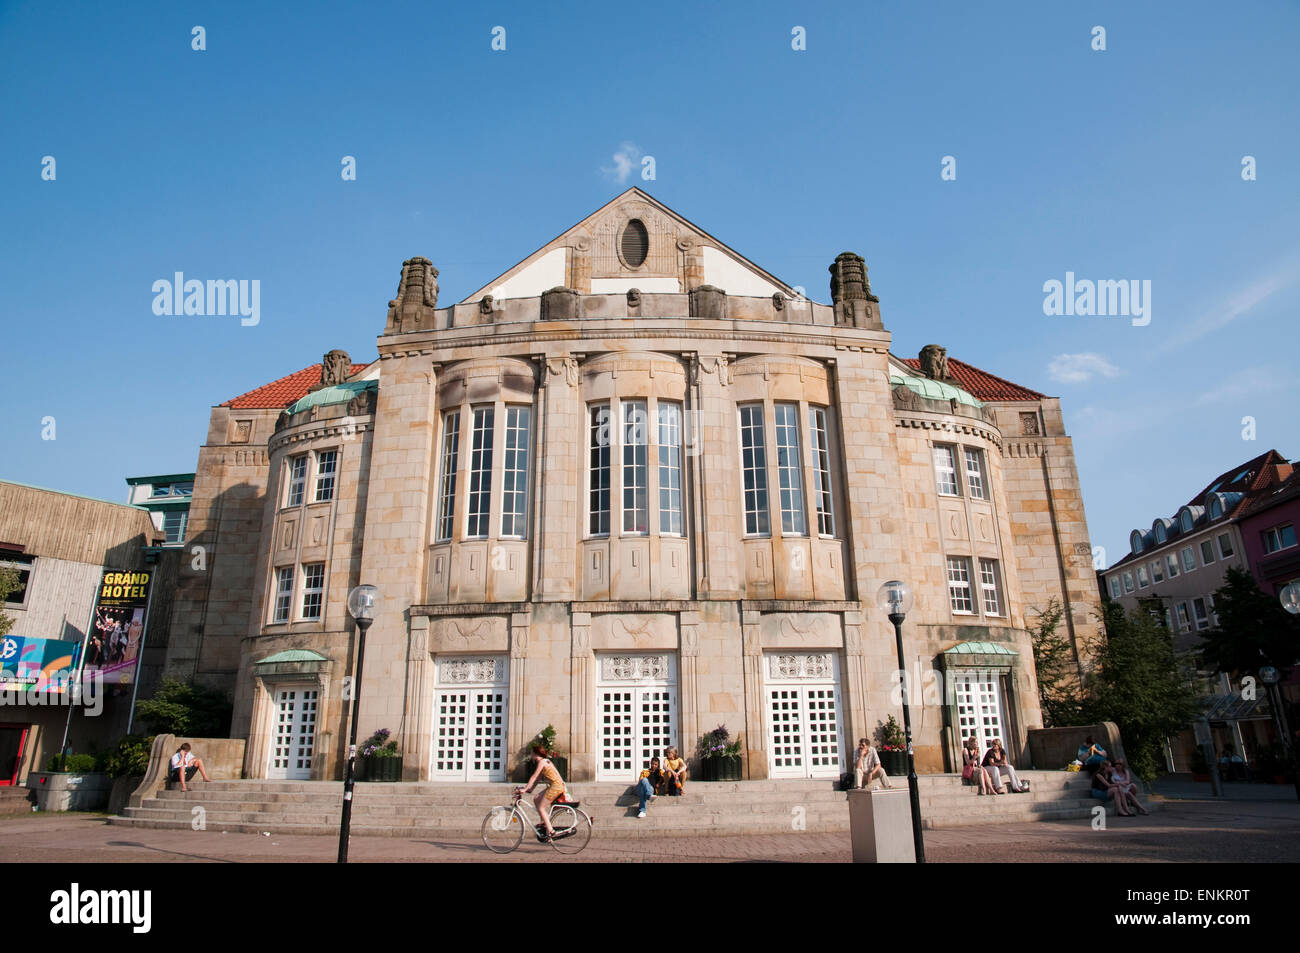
(893, 748)
(73, 764)
(719, 755)
(546, 739)
(381, 761)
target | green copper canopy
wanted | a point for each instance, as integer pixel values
(293, 655)
(979, 648)
(336, 394)
(934, 390)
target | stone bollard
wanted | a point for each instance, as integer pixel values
(880, 826)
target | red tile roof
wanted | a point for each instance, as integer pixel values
(283, 392)
(981, 384)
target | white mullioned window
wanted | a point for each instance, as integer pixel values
(1143, 581)
(1278, 537)
(447, 485)
(959, 590)
(1114, 587)
(670, 468)
(313, 589)
(753, 452)
(989, 587)
(1189, 559)
(297, 479)
(514, 475)
(945, 470)
(598, 470)
(174, 522)
(821, 471)
(1171, 563)
(636, 474)
(975, 473)
(480, 474)
(327, 463)
(283, 594)
(1157, 571)
(1128, 582)
(789, 469)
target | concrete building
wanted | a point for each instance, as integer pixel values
(634, 487)
(1243, 518)
(61, 545)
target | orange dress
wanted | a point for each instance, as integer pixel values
(555, 784)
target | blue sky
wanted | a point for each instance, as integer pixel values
(1122, 164)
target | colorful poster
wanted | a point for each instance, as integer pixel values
(38, 665)
(117, 629)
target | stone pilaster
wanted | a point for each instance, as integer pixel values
(517, 731)
(417, 734)
(582, 764)
(857, 722)
(712, 455)
(559, 481)
(689, 701)
(755, 736)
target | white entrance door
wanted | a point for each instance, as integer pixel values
(470, 705)
(636, 696)
(803, 714)
(979, 707)
(294, 735)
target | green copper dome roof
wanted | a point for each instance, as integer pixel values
(934, 390)
(336, 394)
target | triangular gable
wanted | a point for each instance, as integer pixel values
(587, 257)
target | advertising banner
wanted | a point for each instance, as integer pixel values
(117, 628)
(36, 665)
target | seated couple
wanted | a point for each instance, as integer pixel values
(987, 774)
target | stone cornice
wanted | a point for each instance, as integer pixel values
(950, 425)
(344, 428)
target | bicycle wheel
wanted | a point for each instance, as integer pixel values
(572, 829)
(502, 830)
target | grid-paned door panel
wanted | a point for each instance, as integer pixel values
(471, 705)
(617, 733)
(803, 715)
(979, 709)
(293, 739)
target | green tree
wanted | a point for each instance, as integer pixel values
(1254, 630)
(1141, 684)
(1059, 693)
(186, 709)
(9, 582)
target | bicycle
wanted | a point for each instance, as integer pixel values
(503, 828)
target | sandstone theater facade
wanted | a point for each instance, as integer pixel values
(634, 488)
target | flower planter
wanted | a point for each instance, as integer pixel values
(382, 769)
(724, 768)
(895, 763)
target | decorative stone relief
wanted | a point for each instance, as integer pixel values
(567, 367)
(613, 631)
(634, 297)
(468, 671)
(712, 365)
(485, 305)
(363, 403)
(1029, 424)
(814, 665)
(335, 368)
(778, 301)
(417, 296)
(484, 633)
(790, 629)
(934, 362)
(633, 668)
(242, 431)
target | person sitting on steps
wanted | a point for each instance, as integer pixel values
(996, 763)
(674, 773)
(648, 784)
(183, 766)
(972, 771)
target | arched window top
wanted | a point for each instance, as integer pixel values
(1135, 541)
(1160, 530)
(634, 243)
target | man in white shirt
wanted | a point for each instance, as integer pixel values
(183, 766)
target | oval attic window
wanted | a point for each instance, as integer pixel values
(635, 244)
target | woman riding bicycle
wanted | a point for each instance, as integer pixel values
(546, 797)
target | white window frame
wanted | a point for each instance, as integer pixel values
(958, 581)
(514, 471)
(296, 482)
(478, 501)
(313, 592)
(1273, 538)
(1114, 587)
(789, 470)
(1207, 544)
(184, 518)
(1157, 571)
(635, 435)
(1229, 551)
(1184, 620)
(990, 587)
(1128, 582)
(672, 519)
(1171, 563)
(450, 458)
(1188, 556)
(1143, 581)
(976, 483)
(823, 494)
(1201, 614)
(600, 487)
(282, 602)
(758, 515)
(326, 479)
(945, 470)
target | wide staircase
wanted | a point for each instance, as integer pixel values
(726, 807)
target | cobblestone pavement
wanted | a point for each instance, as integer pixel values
(1237, 831)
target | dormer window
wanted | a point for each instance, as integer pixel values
(1159, 532)
(635, 244)
(1135, 541)
(1185, 520)
(1216, 507)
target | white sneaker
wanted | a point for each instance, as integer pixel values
(642, 814)
(653, 796)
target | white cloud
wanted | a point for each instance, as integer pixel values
(1080, 368)
(625, 159)
(1240, 303)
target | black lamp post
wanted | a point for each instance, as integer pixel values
(1289, 596)
(363, 601)
(895, 598)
